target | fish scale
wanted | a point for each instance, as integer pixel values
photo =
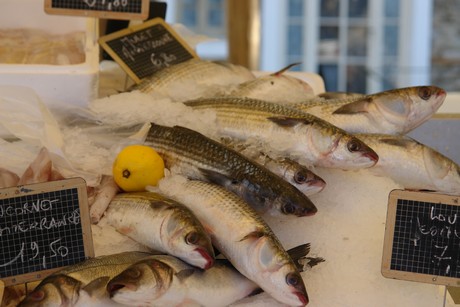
(196, 156)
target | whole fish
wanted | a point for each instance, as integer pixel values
(413, 165)
(196, 156)
(163, 225)
(82, 284)
(292, 171)
(163, 280)
(193, 78)
(288, 131)
(241, 235)
(396, 111)
(276, 87)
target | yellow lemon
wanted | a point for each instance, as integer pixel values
(137, 166)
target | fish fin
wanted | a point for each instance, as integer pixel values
(282, 70)
(298, 253)
(355, 107)
(183, 274)
(312, 261)
(254, 235)
(401, 142)
(97, 286)
(287, 121)
(215, 177)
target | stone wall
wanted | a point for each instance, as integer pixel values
(445, 69)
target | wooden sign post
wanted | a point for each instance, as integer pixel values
(114, 9)
(43, 227)
(422, 238)
(144, 49)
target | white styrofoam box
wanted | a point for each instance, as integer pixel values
(72, 84)
(451, 104)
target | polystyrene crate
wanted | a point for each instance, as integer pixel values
(72, 84)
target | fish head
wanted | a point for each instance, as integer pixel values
(304, 180)
(282, 279)
(443, 172)
(409, 107)
(141, 283)
(54, 290)
(189, 242)
(339, 149)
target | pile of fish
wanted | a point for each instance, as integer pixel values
(272, 132)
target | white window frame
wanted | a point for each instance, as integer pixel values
(414, 54)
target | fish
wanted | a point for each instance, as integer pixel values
(396, 111)
(292, 171)
(163, 280)
(288, 131)
(197, 76)
(191, 154)
(412, 164)
(82, 284)
(242, 236)
(276, 87)
(163, 225)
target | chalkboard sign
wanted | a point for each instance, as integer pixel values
(422, 238)
(115, 9)
(43, 227)
(144, 49)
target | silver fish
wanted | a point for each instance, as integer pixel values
(193, 155)
(292, 171)
(196, 75)
(163, 225)
(276, 87)
(241, 235)
(413, 165)
(396, 111)
(82, 284)
(338, 95)
(167, 281)
(288, 132)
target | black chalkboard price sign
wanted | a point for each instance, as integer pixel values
(43, 227)
(146, 48)
(422, 238)
(114, 9)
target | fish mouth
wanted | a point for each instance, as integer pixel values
(113, 288)
(209, 260)
(302, 297)
(371, 155)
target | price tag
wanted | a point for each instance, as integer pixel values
(144, 49)
(114, 9)
(422, 238)
(43, 227)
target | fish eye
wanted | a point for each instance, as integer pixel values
(424, 92)
(288, 208)
(354, 145)
(299, 177)
(133, 273)
(293, 279)
(192, 237)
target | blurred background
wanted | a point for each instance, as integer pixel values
(361, 46)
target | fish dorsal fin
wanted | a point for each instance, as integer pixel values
(185, 273)
(282, 70)
(400, 142)
(287, 122)
(215, 177)
(96, 288)
(359, 106)
(254, 235)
